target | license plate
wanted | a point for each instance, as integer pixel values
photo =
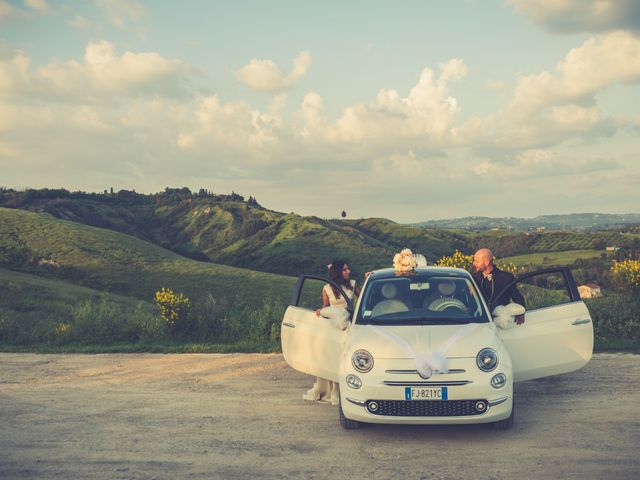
(426, 393)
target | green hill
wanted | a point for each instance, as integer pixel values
(110, 261)
(574, 221)
(227, 229)
(64, 282)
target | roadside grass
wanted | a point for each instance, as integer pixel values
(95, 322)
(39, 314)
(238, 347)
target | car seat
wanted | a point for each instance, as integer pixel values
(390, 304)
(444, 301)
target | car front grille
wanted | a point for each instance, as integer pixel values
(427, 408)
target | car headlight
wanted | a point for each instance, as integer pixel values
(499, 380)
(362, 361)
(353, 381)
(487, 359)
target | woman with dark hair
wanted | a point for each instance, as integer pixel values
(339, 273)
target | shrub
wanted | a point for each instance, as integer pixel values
(172, 307)
(265, 322)
(206, 320)
(102, 322)
(457, 260)
(616, 319)
(151, 328)
(460, 260)
(627, 273)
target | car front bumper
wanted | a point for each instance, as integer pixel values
(470, 398)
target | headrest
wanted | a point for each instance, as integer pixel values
(446, 288)
(389, 290)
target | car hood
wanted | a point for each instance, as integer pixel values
(385, 341)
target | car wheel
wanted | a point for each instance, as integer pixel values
(346, 423)
(507, 423)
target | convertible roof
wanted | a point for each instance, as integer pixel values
(429, 271)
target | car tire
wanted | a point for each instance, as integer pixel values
(507, 423)
(346, 423)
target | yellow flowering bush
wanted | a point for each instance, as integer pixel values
(63, 328)
(457, 260)
(172, 306)
(627, 271)
(510, 267)
(460, 260)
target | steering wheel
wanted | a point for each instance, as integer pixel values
(446, 303)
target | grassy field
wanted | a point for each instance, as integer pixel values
(552, 258)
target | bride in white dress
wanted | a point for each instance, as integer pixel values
(339, 271)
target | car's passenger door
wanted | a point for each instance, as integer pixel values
(557, 336)
(311, 344)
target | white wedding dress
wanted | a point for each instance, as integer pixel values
(324, 390)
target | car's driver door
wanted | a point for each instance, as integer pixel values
(557, 335)
(311, 344)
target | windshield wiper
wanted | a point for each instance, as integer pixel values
(436, 321)
(416, 321)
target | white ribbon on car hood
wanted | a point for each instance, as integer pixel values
(428, 363)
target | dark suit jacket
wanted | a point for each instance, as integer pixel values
(491, 289)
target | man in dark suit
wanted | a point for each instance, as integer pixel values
(492, 281)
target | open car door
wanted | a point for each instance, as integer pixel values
(557, 335)
(311, 344)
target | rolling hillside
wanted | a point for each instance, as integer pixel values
(227, 229)
(71, 278)
(109, 261)
(575, 221)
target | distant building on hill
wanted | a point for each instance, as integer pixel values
(589, 290)
(612, 249)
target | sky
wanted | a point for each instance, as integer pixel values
(412, 110)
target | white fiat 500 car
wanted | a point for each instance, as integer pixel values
(423, 348)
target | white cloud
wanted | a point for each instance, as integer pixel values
(120, 12)
(266, 76)
(427, 113)
(571, 16)
(596, 64)
(80, 23)
(41, 6)
(102, 72)
(126, 127)
(536, 163)
(496, 85)
(9, 12)
(552, 107)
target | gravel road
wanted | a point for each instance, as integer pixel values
(234, 416)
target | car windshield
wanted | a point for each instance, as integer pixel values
(420, 299)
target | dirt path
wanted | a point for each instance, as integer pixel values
(241, 416)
